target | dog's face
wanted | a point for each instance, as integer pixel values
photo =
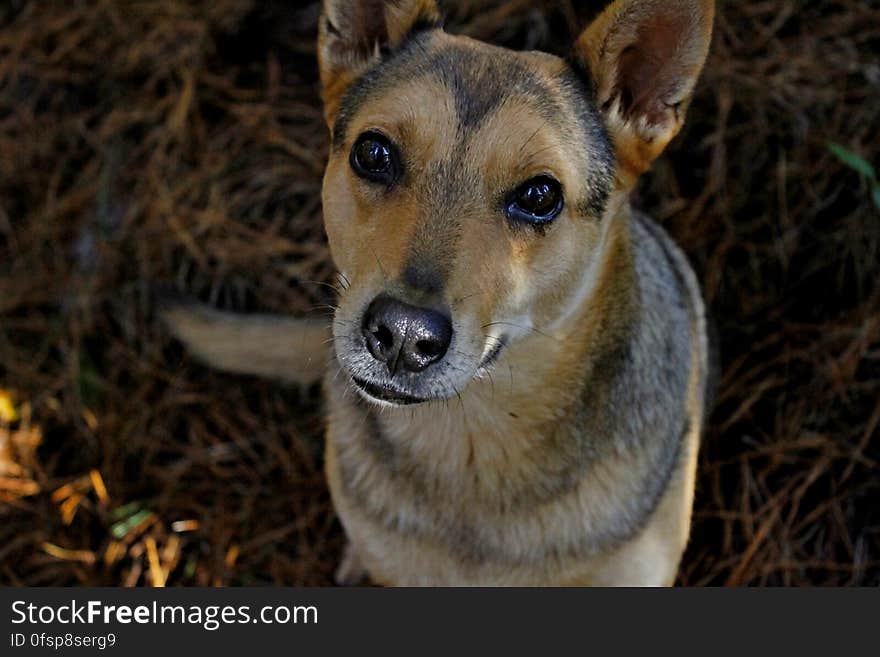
(463, 201)
(469, 188)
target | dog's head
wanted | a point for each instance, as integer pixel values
(470, 188)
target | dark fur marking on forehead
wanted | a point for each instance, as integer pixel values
(480, 82)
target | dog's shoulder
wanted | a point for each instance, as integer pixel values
(663, 353)
(664, 272)
(673, 337)
(670, 294)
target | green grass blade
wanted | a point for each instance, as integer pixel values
(853, 161)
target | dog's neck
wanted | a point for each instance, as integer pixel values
(542, 380)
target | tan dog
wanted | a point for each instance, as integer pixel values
(521, 359)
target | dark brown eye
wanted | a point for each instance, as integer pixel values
(537, 201)
(374, 158)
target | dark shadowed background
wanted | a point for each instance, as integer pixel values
(173, 141)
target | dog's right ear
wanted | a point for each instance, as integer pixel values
(353, 35)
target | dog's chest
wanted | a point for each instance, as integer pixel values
(431, 511)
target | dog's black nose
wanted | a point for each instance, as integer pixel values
(401, 335)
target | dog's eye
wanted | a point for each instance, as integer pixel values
(374, 158)
(537, 201)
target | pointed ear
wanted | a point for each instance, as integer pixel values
(354, 34)
(645, 57)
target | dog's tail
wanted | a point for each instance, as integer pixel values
(271, 346)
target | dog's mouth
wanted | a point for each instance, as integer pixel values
(391, 395)
(385, 393)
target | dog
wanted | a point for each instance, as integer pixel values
(520, 364)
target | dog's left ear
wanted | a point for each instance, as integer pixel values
(354, 34)
(645, 57)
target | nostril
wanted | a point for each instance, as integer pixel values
(429, 348)
(384, 337)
